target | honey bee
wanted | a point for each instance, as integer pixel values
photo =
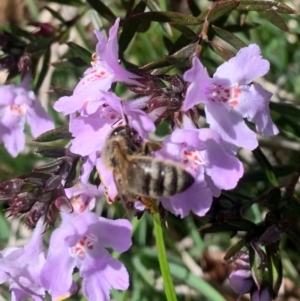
(138, 175)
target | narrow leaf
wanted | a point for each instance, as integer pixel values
(195, 282)
(80, 51)
(74, 172)
(255, 264)
(229, 37)
(186, 31)
(51, 151)
(55, 14)
(194, 8)
(76, 3)
(222, 52)
(255, 5)
(266, 166)
(44, 70)
(235, 249)
(221, 9)
(143, 271)
(259, 175)
(130, 28)
(167, 16)
(179, 59)
(102, 9)
(274, 267)
(59, 91)
(294, 235)
(274, 19)
(53, 135)
(285, 109)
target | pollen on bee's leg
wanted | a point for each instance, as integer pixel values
(148, 203)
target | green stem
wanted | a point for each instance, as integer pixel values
(162, 258)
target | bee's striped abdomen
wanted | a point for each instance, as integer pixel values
(157, 178)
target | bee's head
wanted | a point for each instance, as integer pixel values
(128, 137)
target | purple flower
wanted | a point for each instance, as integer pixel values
(105, 70)
(17, 105)
(83, 196)
(262, 295)
(90, 133)
(241, 281)
(82, 242)
(201, 152)
(21, 267)
(229, 97)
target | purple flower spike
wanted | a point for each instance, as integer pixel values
(229, 97)
(17, 105)
(83, 242)
(21, 267)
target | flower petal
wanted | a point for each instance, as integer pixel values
(246, 66)
(199, 79)
(231, 126)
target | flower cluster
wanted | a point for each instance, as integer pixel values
(208, 154)
(17, 105)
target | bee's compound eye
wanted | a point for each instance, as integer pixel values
(119, 130)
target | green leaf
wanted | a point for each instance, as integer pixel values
(167, 16)
(76, 3)
(55, 14)
(102, 9)
(235, 249)
(71, 63)
(51, 151)
(83, 53)
(195, 282)
(266, 166)
(259, 175)
(294, 235)
(229, 37)
(130, 28)
(180, 58)
(221, 9)
(143, 271)
(44, 70)
(255, 264)
(274, 19)
(274, 267)
(162, 258)
(255, 5)
(216, 228)
(53, 135)
(194, 8)
(285, 109)
(74, 173)
(186, 31)
(59, 92)
(4, 228)
(219, 50)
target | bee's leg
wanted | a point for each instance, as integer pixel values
(151, 146)
(149, 204)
